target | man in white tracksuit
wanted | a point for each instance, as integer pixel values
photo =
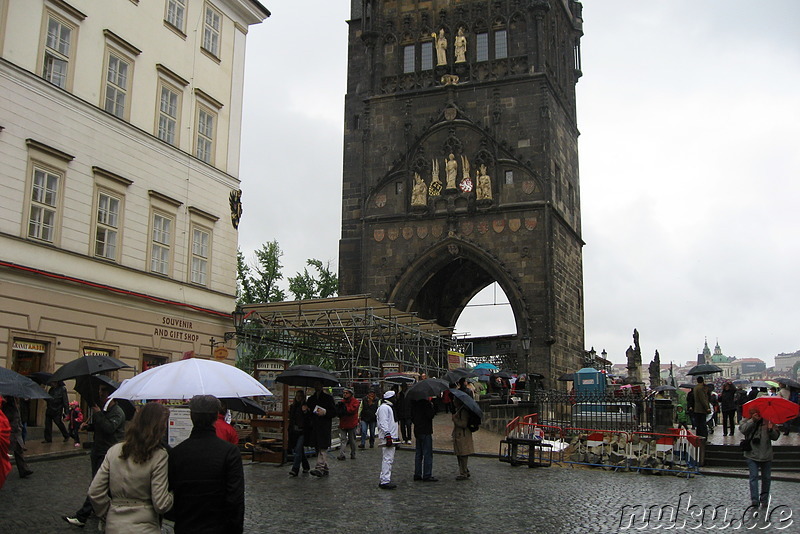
(388, 434)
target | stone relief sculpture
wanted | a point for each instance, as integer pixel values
(461, 46)
(466, 180)
(419, 191)
(436, 184)
(440, 43)
(483, 189)
(451, 168)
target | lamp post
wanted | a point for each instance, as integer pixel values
(238, 319)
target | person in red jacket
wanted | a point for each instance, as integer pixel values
(347, 410)
(224, 429)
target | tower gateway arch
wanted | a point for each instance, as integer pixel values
(461, 165)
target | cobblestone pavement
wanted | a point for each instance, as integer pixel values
(497, 498)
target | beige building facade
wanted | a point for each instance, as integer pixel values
(119, 140)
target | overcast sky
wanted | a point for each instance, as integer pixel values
(689, 167)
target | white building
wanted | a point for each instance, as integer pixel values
(119, 139)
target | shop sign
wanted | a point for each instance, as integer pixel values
(28, 346)
(220, 353)
(168, 329)
(96, 352)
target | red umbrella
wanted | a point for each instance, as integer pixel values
(775, 409)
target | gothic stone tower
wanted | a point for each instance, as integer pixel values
(461, 164)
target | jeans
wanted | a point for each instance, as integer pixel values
(364, 427)
(405, 429)
(766, 473)
(727, 421)
(701, 429)
(299, 455)
(347, 437)
(423, 458)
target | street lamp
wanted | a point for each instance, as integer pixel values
(238, 319)
(526, 342)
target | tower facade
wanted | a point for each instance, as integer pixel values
(461, 165)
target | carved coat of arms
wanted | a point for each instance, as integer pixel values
(528, 187)
(514, 224)
(392, 233)
(498, 225)
(379, 234)
(422, 232)
(531, 222)
(408, 232)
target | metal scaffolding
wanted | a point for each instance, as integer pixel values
(354, 334)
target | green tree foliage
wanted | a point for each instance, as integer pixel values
(306, 286)
(258, 282)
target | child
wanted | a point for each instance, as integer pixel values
(682, 418)
(74, 418)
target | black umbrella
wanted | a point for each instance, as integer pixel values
(535, 376)
(567, 377)
(40, 377)
(307, 376)
(741, 382)
(468, 401)
(454, 375)
(244, 405)
(88, 385)
(399, 378)
(13, 384)
(87, 365)
(502, 374)
(704, 369)
(664, 388)
(788, 382)
(430, 387)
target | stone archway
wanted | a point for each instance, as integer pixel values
(442, 281)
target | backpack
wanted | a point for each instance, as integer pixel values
(474, 422)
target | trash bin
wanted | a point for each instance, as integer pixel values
(662, 416)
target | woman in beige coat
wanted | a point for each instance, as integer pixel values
(462, 438)
(130, 491)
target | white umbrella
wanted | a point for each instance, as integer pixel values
(186, 378)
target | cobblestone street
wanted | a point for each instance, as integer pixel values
(498, 498)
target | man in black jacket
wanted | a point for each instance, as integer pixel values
(57, 406)
(422, 413)
(322, 410)
(206, 474)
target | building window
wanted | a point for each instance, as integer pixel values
(169, 104)
(108, 209)
(160, 244)
(44, 205)
(427, 56)
(500, 44)
(509, 177)
(200, 254)
(211, 29)
(58, 44)
(408, 59)
(482, 47)
(204, 142)
(176, 13)
(116, 86)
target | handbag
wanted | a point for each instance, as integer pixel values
(745, 445)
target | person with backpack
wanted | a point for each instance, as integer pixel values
(462, 438)
(369, 418)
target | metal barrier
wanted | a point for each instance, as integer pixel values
(597, 447)
(529, 442)
(677, 451)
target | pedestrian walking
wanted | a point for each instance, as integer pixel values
(130, 491)
(11, 411)
(740, 397)
(368, 415)
(701, 407)
(206, 476)
(57, 406)
(388, 434)
(462, 439)
(108, 426)
(322, 411)
(727, 405)
(74, 419)
(347, 409)
(760, 434)
(422, 413)
(299, 429)
(403, 410)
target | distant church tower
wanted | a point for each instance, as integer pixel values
(461, 165)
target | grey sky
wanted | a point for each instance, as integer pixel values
(688, 112)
